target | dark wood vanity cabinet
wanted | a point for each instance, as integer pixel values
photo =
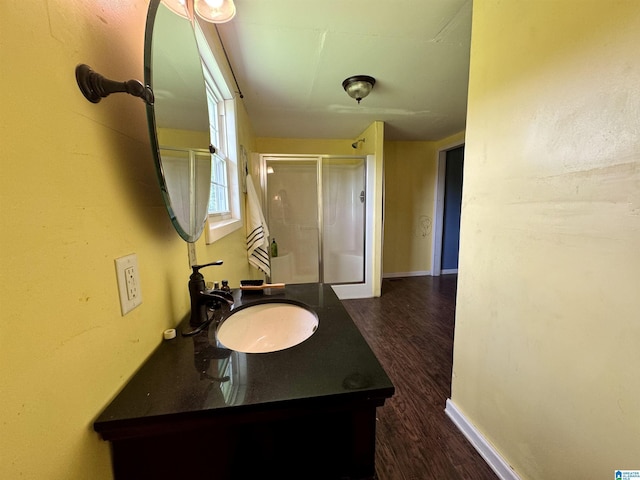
(194, 410)
(319, 443)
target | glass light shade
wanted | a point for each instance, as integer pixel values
(358, 86)
(179, 7)
(215, 11)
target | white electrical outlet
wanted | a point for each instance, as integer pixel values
(128, 283)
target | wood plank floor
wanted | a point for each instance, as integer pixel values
(410, 329)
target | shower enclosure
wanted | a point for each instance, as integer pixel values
(316, 210)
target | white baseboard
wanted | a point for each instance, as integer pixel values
(420, 273)
(447, 271)
(484, 448)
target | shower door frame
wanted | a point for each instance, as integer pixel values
(363, 289)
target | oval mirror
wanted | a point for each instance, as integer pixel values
(179, 119)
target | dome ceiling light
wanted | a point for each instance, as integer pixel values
(214, 11)
(358, 86)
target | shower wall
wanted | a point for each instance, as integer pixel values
(305, 221)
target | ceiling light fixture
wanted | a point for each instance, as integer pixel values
(214, 11)
(358, 86)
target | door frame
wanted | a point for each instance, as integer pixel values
(364, 290)
(438, 214)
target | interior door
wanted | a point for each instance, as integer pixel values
(452, 208)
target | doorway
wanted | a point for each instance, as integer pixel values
(446, 241)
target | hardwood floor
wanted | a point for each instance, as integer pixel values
(410, 329)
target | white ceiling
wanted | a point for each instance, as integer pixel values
(291, 56)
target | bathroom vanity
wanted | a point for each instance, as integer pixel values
(198, 410)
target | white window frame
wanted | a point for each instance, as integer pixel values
(219, 187)
(222, 224)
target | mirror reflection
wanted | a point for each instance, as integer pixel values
(179, 119)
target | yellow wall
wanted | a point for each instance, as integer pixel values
(410, 176)
(374, 145)
(78, 189)
(311, 146)
(171, 137)
(548, 320)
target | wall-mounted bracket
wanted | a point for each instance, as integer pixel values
(95, 87)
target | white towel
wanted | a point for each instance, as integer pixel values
(257, 231)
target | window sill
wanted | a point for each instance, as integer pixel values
(217, 229)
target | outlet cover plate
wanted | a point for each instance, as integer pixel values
(128, 282)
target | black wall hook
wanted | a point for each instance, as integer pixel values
(95, 87)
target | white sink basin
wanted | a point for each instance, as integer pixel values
(267, 327)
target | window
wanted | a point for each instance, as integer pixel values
(219, 200)
(224, 203)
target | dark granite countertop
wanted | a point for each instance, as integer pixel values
(194, 378)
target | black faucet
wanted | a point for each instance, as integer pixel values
(203, 301)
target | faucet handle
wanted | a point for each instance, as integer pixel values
(196, 275)
(196, 268)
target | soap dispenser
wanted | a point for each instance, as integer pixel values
(274, 248)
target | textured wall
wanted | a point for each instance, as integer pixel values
(546, 346)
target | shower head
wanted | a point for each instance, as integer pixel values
(355, 144)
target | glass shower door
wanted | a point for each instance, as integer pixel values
(292, 205)
(343, 220)
(316, 213)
